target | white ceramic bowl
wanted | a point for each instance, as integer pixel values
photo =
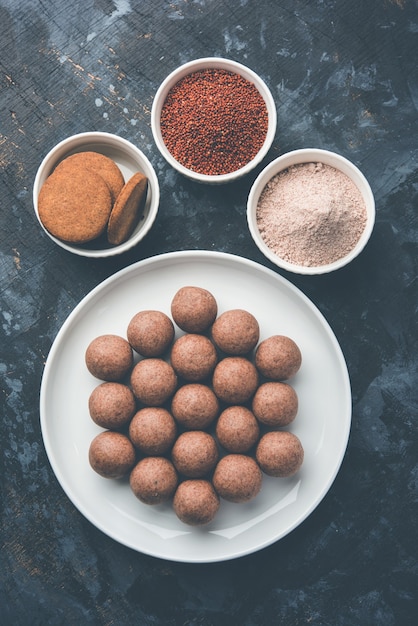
(310, 155)
(212, 63)
(129, 159)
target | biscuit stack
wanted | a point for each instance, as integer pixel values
(86, 198)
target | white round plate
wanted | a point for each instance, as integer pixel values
(322, 424)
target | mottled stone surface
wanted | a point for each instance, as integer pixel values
(344, 76)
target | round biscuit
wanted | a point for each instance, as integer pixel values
(99, 163)
(126, 210)
(74, 208)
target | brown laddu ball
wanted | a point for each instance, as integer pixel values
(111, 454)
(236, 332)
(194, 309)
(195, 502)
(195, 453)
(150, 333)
(275, 404)
(195, 406)
(280, 453)
(237, 429)
(237, 478)
(153, 430)
(193, 357)
(111, 405)
(278, 357)
(235, 380)
(154, 480)
(109, 357)
(153, 381)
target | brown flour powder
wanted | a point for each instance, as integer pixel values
(311, 214)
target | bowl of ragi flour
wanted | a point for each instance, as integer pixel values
(311, 211)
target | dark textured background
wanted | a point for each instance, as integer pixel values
(344, 76)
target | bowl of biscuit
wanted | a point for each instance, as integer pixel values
(96, 194)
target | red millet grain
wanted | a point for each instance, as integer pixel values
(214, 121)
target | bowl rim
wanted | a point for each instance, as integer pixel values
(72, 144)
(306, 155)
(217, 63)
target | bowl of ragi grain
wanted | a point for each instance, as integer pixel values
(213, 120)
(311, 211)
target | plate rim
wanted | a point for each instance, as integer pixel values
(140, 266)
